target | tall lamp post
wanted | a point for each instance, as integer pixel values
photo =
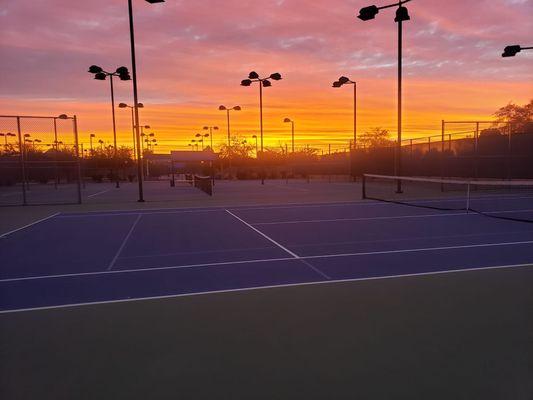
(263, 82)
(288, 120)
(139, 105)
(343, 80)
(211, 129)
(91, 136)
(136, 97)
(511, 51)
(101, 75)
(201, 138)
(402, 14)
(347, 81)
(6, 135)
(224, 108)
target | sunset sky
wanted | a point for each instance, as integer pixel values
(192, 55)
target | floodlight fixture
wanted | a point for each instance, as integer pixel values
(275, 76)
(368, 13)
(122, 71)
(511, 51)
(402, 15)
(246, 82)
(253, 75)
(95, 69)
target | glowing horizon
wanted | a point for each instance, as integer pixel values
(193, 56)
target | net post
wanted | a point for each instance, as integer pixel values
(442, 156)
(363, 196)
(76, 139)
(22, 166)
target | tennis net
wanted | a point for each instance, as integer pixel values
(505, 199)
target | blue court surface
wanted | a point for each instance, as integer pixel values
(98, 257)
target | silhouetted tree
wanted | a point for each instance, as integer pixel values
(376, 137)
(519, 117)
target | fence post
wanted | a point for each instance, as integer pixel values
(476, 151)
(22, 166)
(509, 152)
(75, 121)
(442, 156)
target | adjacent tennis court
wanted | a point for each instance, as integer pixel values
(98, 257)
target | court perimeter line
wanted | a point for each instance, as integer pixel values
(27, 226)
(287, 285)
(124, 243)
(455, 214)
(257, 261)
(99, 193)
(279, 245)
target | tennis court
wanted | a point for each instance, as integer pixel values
(98, 257)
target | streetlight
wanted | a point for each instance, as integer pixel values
(211, 129)
(101, 75)
(6, 135)
(256, 148)
(288, 120)
(224, 108)
(124, 105)
(402, 14)
(136, 97)
(143, 127)
(263, 82)
(347, 81)
(511, 51)
(91, 136)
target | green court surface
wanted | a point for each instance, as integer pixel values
(462, 335)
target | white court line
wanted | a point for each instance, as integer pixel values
(361, 203)
(103, 213)
(287, 285)
(99, 193)
(262, 234)
(27, 226)
(280, 246)
(458, 213)
(112, 263)
(266, 260)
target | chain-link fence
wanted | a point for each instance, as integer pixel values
(39, 161)
(472, 149)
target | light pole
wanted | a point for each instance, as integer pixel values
(91, 136)
(263, 82)
(142, 135)
(511, 51)
(136, 97)
(347, 81)
(124, 105)
(211, 129)
(256, 146)
(6, 135)
(101, 75)
(402, 14)
(224, 108)
(288, 120)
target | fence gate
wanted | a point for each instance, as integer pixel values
(39, 161)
